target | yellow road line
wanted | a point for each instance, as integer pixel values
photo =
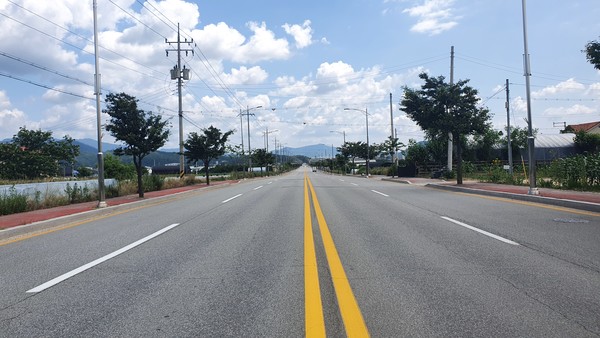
(314, 320)
(352, 317)
(531, 204)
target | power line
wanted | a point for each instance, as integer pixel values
(44, 86)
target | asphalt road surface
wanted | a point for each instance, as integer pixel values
(310, 254)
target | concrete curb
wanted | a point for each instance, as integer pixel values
(580, 205)
(65, 221)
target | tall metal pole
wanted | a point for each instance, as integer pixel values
(510, 158)
(530, 140)
(392, 128)
(368, 145)
(179, 80)
(97, 90)
(450, 141)
(249, 152)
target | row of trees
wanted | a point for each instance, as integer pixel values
(35, 154)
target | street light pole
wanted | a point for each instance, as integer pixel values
(368, 146)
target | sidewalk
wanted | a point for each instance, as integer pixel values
(14, 220)
(582, 200)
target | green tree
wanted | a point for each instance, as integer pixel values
(142, 132)
(262, 158)
(416, 153)
(115, 168)
(206, 147)
(35, 153)
(592, 53)
(483, 145)
(442, 107)
(518, 140)
(586, 142)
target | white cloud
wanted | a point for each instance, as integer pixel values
(302, 34)
(566, 87)
(576, 110)
(253, 75)
(434, 16)
(10, 118)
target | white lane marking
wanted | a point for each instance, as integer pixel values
(232, 198)
(270, 182)
(341, 180)
(502, 239)
(354, 184)
(380, 193)
(260, 186)
(82, 268)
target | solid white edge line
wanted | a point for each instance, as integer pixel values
(502, 239)
(380, 193)
(260, 186)
(82, 268)
(229, 199)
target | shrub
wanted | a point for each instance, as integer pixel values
(78, 194)
(12, 202)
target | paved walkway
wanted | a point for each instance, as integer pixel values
(13, 220)
(573, 199)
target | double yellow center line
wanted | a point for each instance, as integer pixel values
(354, 323)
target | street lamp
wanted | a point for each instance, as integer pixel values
(367, 120)
(249, 151)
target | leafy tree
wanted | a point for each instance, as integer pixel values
(391, 145)
(206, 147)
(518, 139)
(483, 145)
(115, 168)
(440, 107)
(262, 158)
(35, 153)
(592, 53)
(586, 142)
(142, 132)
(416, 153)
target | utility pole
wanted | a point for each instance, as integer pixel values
(392, 129)
(510, 159)
(180, 74)
(98, 92)
(533, 190)
(248, 120)
(450, 145)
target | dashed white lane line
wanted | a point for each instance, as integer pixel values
(502, 239)
(232, 198)
(260, 186)
(354, 184)
(380, 193)
(82, 268)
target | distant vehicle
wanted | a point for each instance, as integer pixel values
(314, 170)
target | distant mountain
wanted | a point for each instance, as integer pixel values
(314, 151)
(88, 142)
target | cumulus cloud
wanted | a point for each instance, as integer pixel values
(433, 16)
(243, 75)
(10, 118)
(566, 87)
(302, 34)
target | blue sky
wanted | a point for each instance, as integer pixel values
(302, 61)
